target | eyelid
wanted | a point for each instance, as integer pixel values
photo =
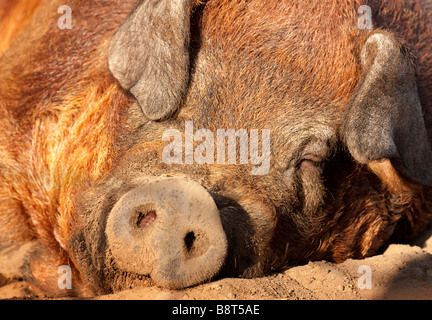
(313, 158)
(316, 151)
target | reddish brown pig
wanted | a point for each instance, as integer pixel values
(112, 153)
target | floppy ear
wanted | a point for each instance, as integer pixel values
(149, 55)
(384, 119)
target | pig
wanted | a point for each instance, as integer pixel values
(90, 114)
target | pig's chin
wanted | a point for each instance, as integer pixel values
(122, 279)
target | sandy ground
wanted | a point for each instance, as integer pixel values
(401, 272)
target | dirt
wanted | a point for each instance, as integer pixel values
(402, 272)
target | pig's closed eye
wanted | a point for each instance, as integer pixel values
(311, 160)
(314, 155)
(308, 164)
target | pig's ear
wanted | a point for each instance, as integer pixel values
(149, 55)
(384, 119)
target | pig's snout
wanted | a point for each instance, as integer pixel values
(170, 229)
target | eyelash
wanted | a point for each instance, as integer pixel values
(312, 160)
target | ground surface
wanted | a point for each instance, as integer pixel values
(401, 272)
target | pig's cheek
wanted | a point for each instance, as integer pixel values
(263, 222)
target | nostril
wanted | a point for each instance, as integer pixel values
(189, 241)
(196, 244)
(145, 218)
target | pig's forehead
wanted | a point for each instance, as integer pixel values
(233, 94)
(279, 53)
(284, 65)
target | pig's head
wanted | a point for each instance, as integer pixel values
(347, 149)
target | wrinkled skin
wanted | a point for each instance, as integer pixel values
(340, 185)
